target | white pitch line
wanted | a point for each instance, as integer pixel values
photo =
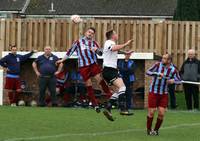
(98, 133)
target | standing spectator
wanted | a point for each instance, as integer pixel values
(12, 63)
(190, 71)
(126, 68)
(171, 91)
(46, 69)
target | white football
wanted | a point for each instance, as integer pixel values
(76, 19)
(21, 103)
(33, 103)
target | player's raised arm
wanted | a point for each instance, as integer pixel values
(112, 35)
(69, 52)
(118, 47)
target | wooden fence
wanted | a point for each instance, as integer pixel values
(148, 36)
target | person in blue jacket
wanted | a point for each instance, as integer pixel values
(11, 63)
(126, 68)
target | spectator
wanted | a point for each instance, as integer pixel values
(171, 91)
(45, 68)
(12, 63)
(126, 68)
(78, 88)
(190, 71)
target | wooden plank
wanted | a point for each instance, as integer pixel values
(23, 36)
(13, 32)
(7, 34)
(169, 38)
(181, 45)
(99, 33)
(41, 35)
(152, 35)
(193, 37)
(158, 44)
(47, 34)
(164, 38)
(175, 43)
(105, 26)
(30, 35)
(53, 37)
(187, 38)
(70, 40)
(58, 35)
(134, 43)
(64, 34)
(146, 37)
(140, 37)
(19, 33)
(128, 33)
(35, 35)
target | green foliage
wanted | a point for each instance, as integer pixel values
(187, 10)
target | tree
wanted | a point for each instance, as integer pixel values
(187, 10)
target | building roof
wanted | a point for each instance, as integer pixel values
(102, 7)
(12, 5)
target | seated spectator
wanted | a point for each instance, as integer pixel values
(77, 89)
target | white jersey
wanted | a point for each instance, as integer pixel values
(109, 56)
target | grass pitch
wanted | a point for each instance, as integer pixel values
(75, 124)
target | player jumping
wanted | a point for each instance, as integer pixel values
(86, 49)
(162, 73)
(111, 73)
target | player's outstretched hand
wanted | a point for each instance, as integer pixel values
(38, 74)
(128, 42)
(59, 61)
(170, 81)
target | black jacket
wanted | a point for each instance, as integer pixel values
(190, 70)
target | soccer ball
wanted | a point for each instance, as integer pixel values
(21, 103)
(76, 19)
(33, 103)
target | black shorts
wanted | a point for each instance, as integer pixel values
(110, 74)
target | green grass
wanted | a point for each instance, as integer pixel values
(70, 124)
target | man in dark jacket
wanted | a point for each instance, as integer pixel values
(190, 71)
(126, 68)
(12, 63)
(46, 70)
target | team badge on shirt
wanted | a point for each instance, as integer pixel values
(18, 60)
(51, 58)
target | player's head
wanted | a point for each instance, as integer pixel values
(191, 53)
(166, 59)
(13, 49)
(47, 50)
(111, 35)
(90, 32)
(127, 56)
